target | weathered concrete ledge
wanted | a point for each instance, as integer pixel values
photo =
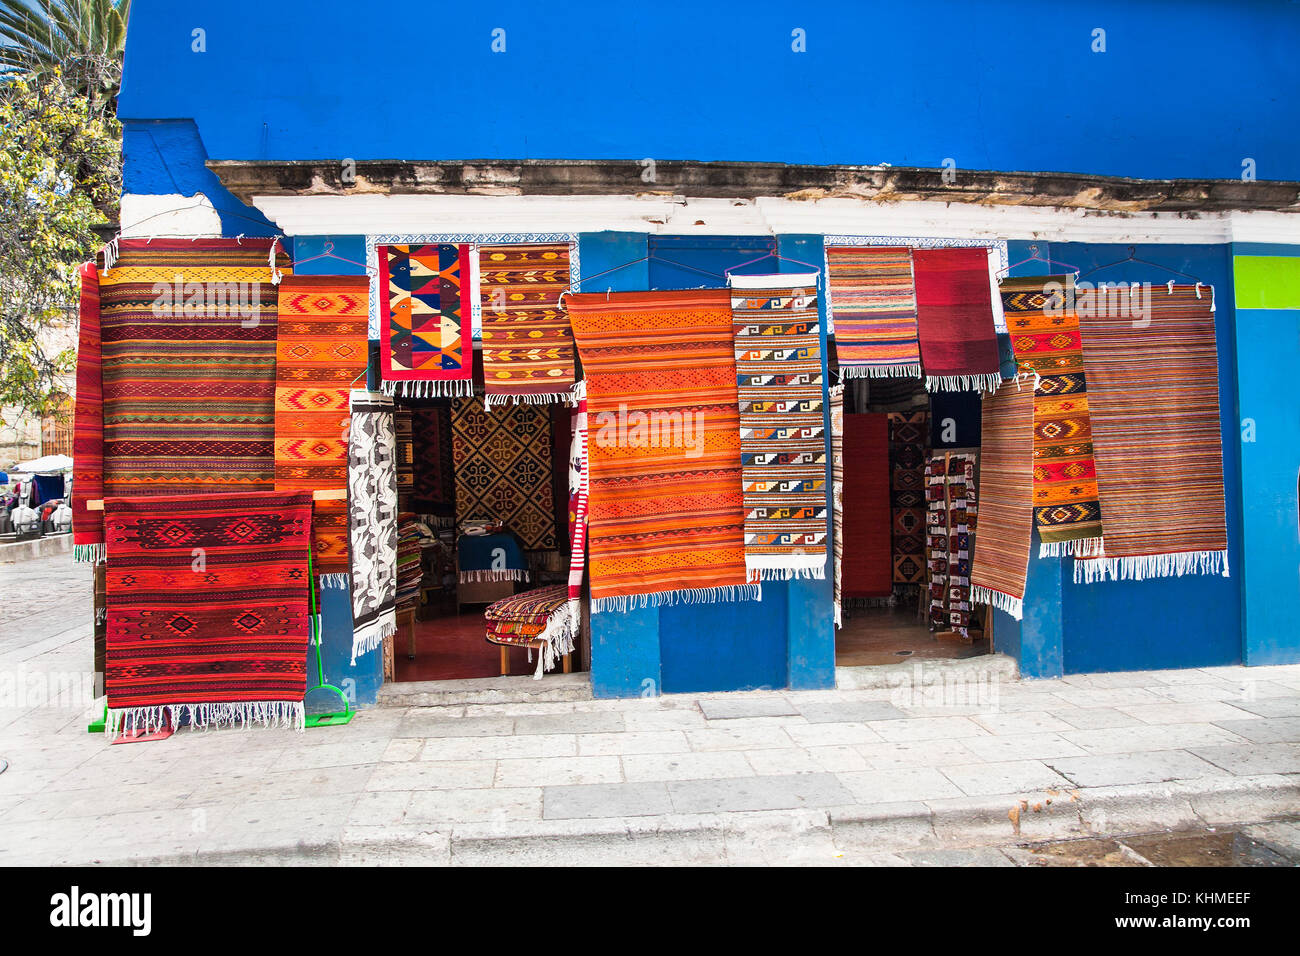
(746, 181)
(485, 690)
(14, 551)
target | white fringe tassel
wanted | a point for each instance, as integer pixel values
(458, 388)
(509, 574)
(367, 639)
(1079, 548)
(880, 371)
(334, 582)
(1003, 602)
(559, 634)
(963, 383)
(628, 602)
(566, 397)
(270, 713)
(89, 553)
(1146, 566)
(787, 574)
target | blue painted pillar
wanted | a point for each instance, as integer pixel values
(810, 621)
(625, 658)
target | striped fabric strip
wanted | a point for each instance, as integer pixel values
(1001, 557)
(954, 318)
(782, 425)
(1044, 329)
(873, 301)
(320, 351)
(88, 427)
(666, 508)
(189, 333)
(1154, 386)
(527, 342)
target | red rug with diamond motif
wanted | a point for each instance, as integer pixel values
(207, 609)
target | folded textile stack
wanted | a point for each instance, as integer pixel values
(409, 571)
(541, 618)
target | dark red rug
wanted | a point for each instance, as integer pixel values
(868, 556)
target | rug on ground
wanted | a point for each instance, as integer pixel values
(1001, 557)
(372, 520)
(1154, 388)
(954, 317)
(1044, 332)
(502, 457)
(666, 510)
(542, 615)
(425, 339)
(88, 427)
(873, 301)
(782, 424)
(188, 329)
(220, 638)
(320, 350)
(527, 342)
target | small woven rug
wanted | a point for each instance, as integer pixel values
(782, 426)
(425, 342)
(543, 614)
(207, 609)
(952, 506)
(527, 342)
(873, 300)
(1154, 386)
(320, 350)
(1001, 556)
(666, 507)
(954, 317)
(372, 520)
(88, 428)
(907, 441)
(1045, 337)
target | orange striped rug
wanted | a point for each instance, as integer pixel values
(527, 343)
(873, 303)
(666, 513)
(1044, 329)
(1001, 556)
(320, 350)
(1154, 384)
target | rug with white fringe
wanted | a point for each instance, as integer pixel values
(954, 318)
(425, 308)
(372, 520)
(207, 609)
(527, 342)
(1044, 329)
(1154, 399)
(782, 425)
(872, 300)
(544, 620)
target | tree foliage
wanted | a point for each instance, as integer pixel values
(81, 39)
(60, 171)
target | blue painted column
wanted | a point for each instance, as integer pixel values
(624, 644)
(360, 681)
(810, 621)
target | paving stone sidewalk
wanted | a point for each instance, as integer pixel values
(896, 775)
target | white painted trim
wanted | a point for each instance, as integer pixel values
(479, 216)
(172, 215)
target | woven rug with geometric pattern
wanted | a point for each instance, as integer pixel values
(320, 350)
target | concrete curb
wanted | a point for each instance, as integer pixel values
(12, 552)
(783, 837)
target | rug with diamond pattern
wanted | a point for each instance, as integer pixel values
(503, 459)
(320, 350)
(207, 606)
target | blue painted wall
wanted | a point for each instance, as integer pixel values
(1268, 339)
(1182, 90)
